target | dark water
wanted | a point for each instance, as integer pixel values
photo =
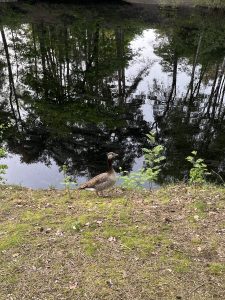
(79, 81)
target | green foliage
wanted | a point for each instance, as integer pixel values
(68, 181)
(153, 159)
(133, 180)
(3, 154)
(199, 170)
(216, 268)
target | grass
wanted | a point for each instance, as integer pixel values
(165, 244)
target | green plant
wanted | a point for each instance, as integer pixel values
(68, 181)
(132, 180)
(150, 172)
(3, 154)
(199, 171)
(153, 159)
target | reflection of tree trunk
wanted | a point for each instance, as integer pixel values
(96, 56)
(174, 82)
(220, 89)
(220, 78)
(11, 79)
(42, 49)
(35, 54)
(212, 90)
(16, 58)
(136, 81)
(120, 56)
(12, 108)
(43, 59)
(67, 60)
(172, 93)
(198, 85)
(191, 84)
(92, 58)
(222, 99)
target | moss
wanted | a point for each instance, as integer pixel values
(120, 231)
(125, 216)
(216, 268)
(75, 223)
(14, 235)
(34, 216)
(142, 244)
(196, 241)
(200, 207)
(163, 196)
(90, 245)
(181, 263)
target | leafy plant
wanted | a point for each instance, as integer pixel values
(3, 154)
(68, 181)
(153, 159)
(199, 171)
(132, 180)
(3, 167)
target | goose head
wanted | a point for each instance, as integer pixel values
(111, 155)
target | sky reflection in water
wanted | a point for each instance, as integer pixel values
(77, 92)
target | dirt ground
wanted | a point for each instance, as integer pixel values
(165, 244)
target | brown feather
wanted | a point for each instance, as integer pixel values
(95, 181)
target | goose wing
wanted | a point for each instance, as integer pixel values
(99, 179)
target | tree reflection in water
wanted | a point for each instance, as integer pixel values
(66, 96)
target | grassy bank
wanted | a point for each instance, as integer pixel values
(190, 3)
(166, 244)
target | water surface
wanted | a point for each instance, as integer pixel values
(79, 81)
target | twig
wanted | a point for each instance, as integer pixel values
(218, 175)
(196, 288)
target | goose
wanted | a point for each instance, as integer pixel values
(104, 180)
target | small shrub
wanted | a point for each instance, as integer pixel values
(68, 181)
(132, 180)
(199, 171)
(3, 154)
(153, 159)
(152, 167)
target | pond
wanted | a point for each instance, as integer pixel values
(78, 81)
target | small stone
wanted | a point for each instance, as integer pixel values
(59, 233)
(112, 239)
(48, 230)
(196, 217)
(109, 282)
(15, 255)
(73, 286)
(99, 222)
(167, 220)
(124, 274)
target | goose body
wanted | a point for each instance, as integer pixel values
(104, 180)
